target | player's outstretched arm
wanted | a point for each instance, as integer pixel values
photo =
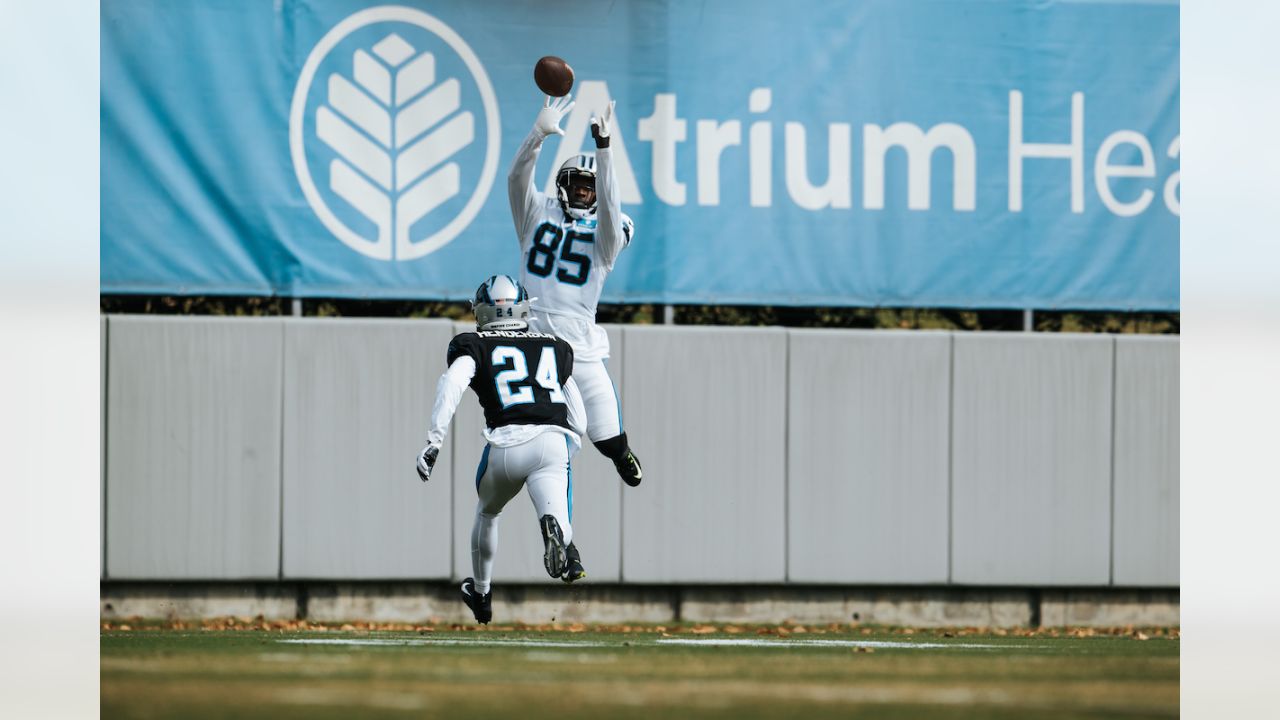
(521, 191)
(612, 226)
(453, 383)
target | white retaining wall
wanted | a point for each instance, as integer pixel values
(283, 448)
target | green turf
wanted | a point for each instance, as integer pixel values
(216, 674)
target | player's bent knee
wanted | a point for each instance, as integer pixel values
(601, 432)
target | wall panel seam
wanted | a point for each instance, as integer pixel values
(1111, 519)
(786, 461)
(951, 432)
(284, 378)
(106, 429)
(622, 496)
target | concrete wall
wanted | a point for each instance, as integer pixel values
(193, 448)
(1031, 460)
(706, 413)
(1145, 503)
(868, 456)
(357, 401)
(283, 449)
(433, 603)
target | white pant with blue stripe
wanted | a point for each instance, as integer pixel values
(600, 398)
(590, 350)
(542, 466)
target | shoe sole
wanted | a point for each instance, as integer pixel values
(553, 556)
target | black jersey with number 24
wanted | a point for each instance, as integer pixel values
(520, 375)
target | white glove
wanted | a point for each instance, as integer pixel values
(601, 126)
(628, 229)
(549, 117)
(427, 461)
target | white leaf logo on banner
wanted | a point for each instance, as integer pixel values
(394, 172)
(394, 128)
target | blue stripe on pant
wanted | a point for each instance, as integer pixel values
(569, 465)
(616, 397)
(484, 465)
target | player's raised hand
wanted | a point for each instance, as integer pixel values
(427, 461)
(552, 112)
(602, 126)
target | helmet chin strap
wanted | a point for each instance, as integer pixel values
(582, 213)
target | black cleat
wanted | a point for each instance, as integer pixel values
(481, 605)
(573, 570)
(628, 467)
(553, 540)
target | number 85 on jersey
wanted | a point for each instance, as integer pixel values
(574, 267)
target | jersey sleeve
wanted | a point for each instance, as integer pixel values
(611, 238)
(465, 345)
(449, 391)
(526, 201)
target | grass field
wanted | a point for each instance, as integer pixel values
(292, 670)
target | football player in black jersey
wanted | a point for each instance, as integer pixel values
(534, 421)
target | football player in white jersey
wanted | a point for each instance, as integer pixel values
(568, 245)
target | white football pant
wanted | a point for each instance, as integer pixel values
(542, 466)
(600, 398)
(590, 349)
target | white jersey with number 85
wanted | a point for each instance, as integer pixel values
(564, 261)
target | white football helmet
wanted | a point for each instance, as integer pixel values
(501, 303)
(577, 172)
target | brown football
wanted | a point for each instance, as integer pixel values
(553, 76)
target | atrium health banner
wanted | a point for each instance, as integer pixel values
(885, 152)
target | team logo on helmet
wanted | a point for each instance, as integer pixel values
(394, 133)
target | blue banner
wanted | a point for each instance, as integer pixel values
(811, 152)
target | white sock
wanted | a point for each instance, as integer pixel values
(484, 546)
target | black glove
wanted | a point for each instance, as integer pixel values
(427, 461)
(601, 127)
(602, 141)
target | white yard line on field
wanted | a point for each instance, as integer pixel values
(705, 642)
(478, 642)
(815, 642)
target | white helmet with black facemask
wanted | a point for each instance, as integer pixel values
(576, 186)
(501, 303)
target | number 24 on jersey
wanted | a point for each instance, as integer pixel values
(512, 388)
